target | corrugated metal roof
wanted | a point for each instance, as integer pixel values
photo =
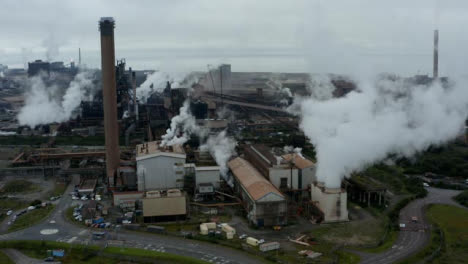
(252, 181)
(299, 161)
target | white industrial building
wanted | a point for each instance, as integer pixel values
(264, 203)
(159, 167)
(208, 174)
(286, 171)
(331, 201)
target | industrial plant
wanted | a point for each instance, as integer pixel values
(216, 155)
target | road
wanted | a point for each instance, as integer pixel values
(57, 228)
(415, 235)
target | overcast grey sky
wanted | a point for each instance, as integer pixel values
(262, 35)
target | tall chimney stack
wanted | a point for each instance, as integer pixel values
(436, 54)
(106, 26)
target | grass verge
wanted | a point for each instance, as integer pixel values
(78, 254)
(462, 198)
(59, 189)
(19, 186)
(31, 218)
(4, 259)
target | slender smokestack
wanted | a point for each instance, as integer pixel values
(106, 26)
(436, 54)
(135, 102)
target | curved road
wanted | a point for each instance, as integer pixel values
(415, 235)
(412, 238)
(70, 233)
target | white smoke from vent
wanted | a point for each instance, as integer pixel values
(222, 148)
(52, 45)
(182, 126)
(384, 117)
(291, 149)
(278, 86)
(42, 105)
(156, 82)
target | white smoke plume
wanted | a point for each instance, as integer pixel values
(52, 45)
(222, 148)
(43, 107)
(278, 86)
(291, 149)
(182, 126)
(384, 117)
(156, 82)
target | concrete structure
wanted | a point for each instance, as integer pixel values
(331, 201)
(265, 205)
(159, 168)
(126, 199)
(285, 171)
(207, 174)
(436, 55)
(170, 205)
(219, 79)
(106, 26)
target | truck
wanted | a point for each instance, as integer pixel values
(269, 246)
(252, 241)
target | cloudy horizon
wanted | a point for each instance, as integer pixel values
(293, 36)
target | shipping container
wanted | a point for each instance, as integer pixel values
(269, 246)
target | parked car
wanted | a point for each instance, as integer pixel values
(261, 241)
(9, 212)
(243, 236)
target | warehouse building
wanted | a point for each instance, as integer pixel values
(167, 205)
(264, 203)
(160, 168)
(286, 171)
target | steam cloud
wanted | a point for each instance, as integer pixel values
(220, 146)
(278, 86)
(42, 107)
(384, 117)
(156, 82)
(183, 123)
(291, 149)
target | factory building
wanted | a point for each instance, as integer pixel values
(160, 168)
(164, 206)
(206, 173)
(126, 200)
(264, 203)
(331, 201)
(37, 67)
(288, 172)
